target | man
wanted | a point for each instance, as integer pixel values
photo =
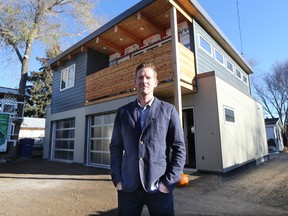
(147, 150)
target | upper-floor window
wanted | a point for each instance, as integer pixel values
(219, 57)
(245, 79)
(67, 77)
(204, 44)
(229, 66)
(238, 73)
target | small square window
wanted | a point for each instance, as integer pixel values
(229, 115)
(219, 57)
(238, 73)
(245, 79)
(229, 66)
(204, 44)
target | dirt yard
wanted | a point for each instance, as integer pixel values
(39, 187)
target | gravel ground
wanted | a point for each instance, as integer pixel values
(39, 187)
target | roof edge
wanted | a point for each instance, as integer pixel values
(206, 16)
(102, 29)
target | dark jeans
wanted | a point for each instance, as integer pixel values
(131, 204)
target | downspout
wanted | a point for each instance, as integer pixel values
(175, 63)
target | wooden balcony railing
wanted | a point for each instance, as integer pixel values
(118, 80)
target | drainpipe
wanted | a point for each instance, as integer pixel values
(175, 63)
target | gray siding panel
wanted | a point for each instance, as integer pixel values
(206, 63)
(73, 97)
(96, 61)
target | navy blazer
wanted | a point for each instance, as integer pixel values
(155, 153)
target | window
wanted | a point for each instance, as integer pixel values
(64, 137)
(67, 77)
(229, 66)
(245, 79)
(219, 57)
(238, 73)
(229, 115)
(99, 138)
(204, 44)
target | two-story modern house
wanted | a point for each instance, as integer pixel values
(199, 71)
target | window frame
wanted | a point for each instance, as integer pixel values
(237, 70)
(216, 51)
(68, 83)
(232, 70)
(244, 76)
(225, 116)
(203, 48)
(102, 152)
(55, 139)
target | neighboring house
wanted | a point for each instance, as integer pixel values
(10, 100)
(199, 70)
(33, 128)
(274, 134)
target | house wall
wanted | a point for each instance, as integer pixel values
(80, 115)
(206, 62)
(244, 140)
(73, 97)
(207, 131)
(96, 61)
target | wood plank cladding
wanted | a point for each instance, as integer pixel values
(119, 80)
(187, 65)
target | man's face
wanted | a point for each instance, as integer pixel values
(146, 81)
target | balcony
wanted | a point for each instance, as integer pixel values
(117, 81)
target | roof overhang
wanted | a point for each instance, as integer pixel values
(146, 18)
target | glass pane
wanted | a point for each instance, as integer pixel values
(97, 120)
(229, 66)
(106, 158)
(106, 144)
(219, 57)
(70, 81)
(107, 131)
(64, 155)
(229, 115)
(245, 80)
(109, 119)
(65, 134)
(64, 144)
(96, 145)
(238, 73)
(96, 132)
(205, 45)
(68, 123)
(63, 78)
(96, 158)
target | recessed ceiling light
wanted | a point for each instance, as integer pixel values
(141, 28)
(121, 39)
(104, 48)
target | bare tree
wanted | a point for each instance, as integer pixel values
(273, 92)
(26, 22)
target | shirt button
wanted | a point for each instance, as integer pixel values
(141, 158)
(141, 142)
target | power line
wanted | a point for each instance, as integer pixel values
(239, 25)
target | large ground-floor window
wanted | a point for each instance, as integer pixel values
(63, 139)
(99, 137)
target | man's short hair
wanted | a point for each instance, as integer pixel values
(146, 65)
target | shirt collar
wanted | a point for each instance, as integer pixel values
(149, 104)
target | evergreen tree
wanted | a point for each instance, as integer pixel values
(39, 86)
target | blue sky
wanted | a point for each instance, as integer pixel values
(263, 28)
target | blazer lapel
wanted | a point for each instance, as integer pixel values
(153, 112)
(134, 113)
